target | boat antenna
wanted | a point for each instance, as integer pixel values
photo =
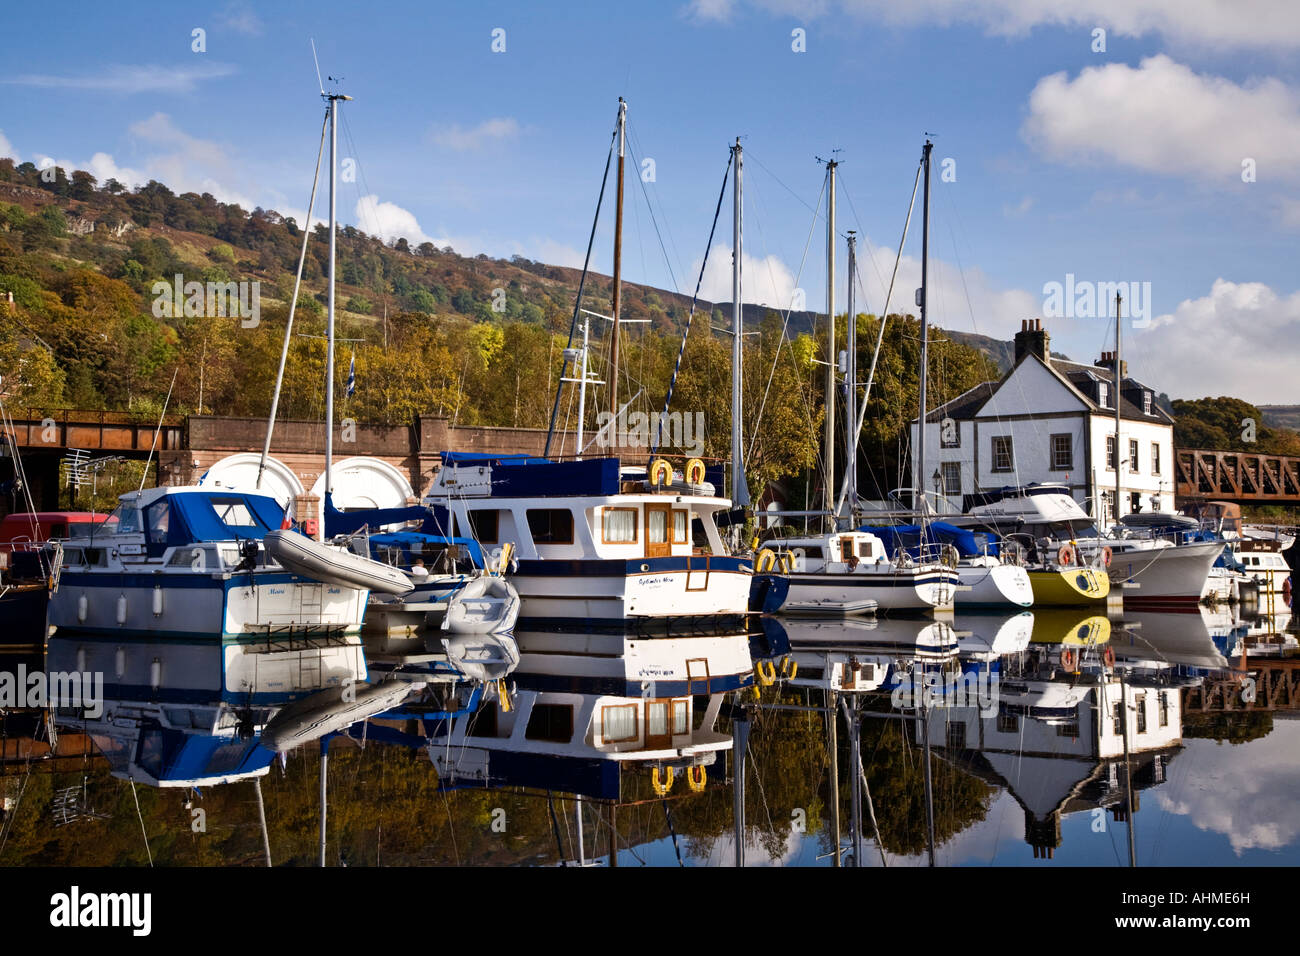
(319, 82)
(156, 431)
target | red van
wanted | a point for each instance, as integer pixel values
(19, 531)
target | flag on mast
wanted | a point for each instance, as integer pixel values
(352, 376)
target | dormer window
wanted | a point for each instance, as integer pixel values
(1146, 401)
(1103, 394)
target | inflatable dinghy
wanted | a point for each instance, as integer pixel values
(333, 565)
(329, 711)
(485, 604)
(485, 657)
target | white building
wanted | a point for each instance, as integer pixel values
(1049, 420)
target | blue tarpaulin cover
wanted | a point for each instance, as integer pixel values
(908, 537)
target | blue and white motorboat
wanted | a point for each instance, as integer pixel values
(186, 563)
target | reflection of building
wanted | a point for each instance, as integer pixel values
(1058, 748)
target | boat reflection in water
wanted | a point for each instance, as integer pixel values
(586, 706)
(188, 714)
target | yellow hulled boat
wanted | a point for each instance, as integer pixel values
(1069, 586)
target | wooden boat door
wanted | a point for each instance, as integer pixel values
(658, 531)
(663, 717)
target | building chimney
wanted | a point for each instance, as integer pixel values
(1107, 361)
(1032, 337)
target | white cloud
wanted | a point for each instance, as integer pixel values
(716, 10)
(963, 300)
(1243, 792)
(7, 148)
(767, 281)
(1019, 209)
(130, 79)
(388, 221)
(1242, 339)
(1258, 24)
(476, 137)
(241, 18)
(1163, 117)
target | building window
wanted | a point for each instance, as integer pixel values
(1142, 713)
(949, 434)
(618, 525)
(1117, 718)
(951, 478)
(1008, 724)
(1062, 453)
(551, 525)
(1103, 394)
(1133, 455)
(1002, 456)
(1110, 452)
(1163, 700)
(1146, 403)
(1155, 458)
(1135, 501)
(1069, 728)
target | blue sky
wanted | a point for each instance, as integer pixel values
(1115, 166)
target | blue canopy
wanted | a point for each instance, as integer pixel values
(415, 544)
(908, 537)
(191, 517)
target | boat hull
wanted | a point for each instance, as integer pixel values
(579, 592)
(1002, 585)
(220, 606)
(904, 590)
(1167, 578)
(1069, 587)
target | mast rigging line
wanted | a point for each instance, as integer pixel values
(785, 323)
(582, 282)
(880, 333)
(681, 351)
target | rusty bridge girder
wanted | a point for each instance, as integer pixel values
(1236, 476)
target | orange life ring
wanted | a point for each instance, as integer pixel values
(1065, 556)
(1106, 555)
(1067, 659)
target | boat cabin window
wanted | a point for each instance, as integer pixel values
(551, 722)
(846, 549)
(679, 527)
(125, 519)
(618, 723)
(156, 521)
(551, 525)
(484, 723)
(234, 513)
(484, 524)
(699, 537)
(618, 525)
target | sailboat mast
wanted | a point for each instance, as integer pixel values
(739, 488)
(1119, 384)
(918, 480)
(334, 99)
(831, 364)
(851, 389)
(618, 261)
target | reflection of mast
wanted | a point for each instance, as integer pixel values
(831, 364)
